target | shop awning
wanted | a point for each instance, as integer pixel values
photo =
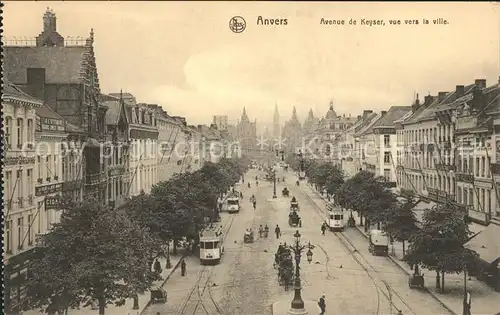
(486, 243)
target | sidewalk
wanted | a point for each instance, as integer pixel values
(483, 297)
(127, 309)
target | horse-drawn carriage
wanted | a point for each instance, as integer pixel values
(158, 294)
(248, 237)
(294, 205)
(284, 262)
(285, 192)
(417, 279)
(294, 219)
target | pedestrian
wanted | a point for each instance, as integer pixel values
(323, 228)
(400, 312)
(157, 266)
(183, 268)
(277, 230)
(322, 304)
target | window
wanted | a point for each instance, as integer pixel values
(116, 188)
(31, 132)
(20, 185)
(47, 166)
(8, 236)
(8, 185)
(56, 166)
(337, 217)
(110, 189)
(8, 131)
(30, 236)
(387, 141)
(20, 135)
(29, 177)
(40, 206)
(387, 174)
(387, 158)
(49, 221)
(40, 173)
(20, 234)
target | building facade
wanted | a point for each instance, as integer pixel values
(116, 155)
(449, 148)
(21, 215)
(63, 74)
(170, 135)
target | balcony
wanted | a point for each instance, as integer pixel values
(116, 170)
(445, 167)
(463, 177)
(495, 168)
(71, 185)
(439, 195)
(95, 178)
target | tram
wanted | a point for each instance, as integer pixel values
(233, 203)
(336, 221)
(211, 245)
(302, 175)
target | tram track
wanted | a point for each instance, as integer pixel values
(195, 299)
(366, 266)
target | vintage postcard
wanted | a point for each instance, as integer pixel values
(251, 158)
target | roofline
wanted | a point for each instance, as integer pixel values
(21, 101)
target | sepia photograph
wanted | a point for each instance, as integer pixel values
(250, 158)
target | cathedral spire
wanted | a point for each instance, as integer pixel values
(244, 116)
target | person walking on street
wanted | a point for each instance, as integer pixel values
(323, 228)
(157, 266)
(322, 304)
(183, 268)
(277, 230)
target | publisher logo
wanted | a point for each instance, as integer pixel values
(237, 24)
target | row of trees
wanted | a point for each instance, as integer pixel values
(436, 243)
(103, 254)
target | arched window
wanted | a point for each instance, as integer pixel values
(8, 131)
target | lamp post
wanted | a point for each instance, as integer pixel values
(274, 184)
(297, 305)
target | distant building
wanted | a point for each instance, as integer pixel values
(221, 122)
(292, 133)
(247, 135)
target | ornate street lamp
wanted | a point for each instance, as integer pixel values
(297, 305)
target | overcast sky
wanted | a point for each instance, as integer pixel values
(184, 57)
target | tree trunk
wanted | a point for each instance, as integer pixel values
(404, 250)
(102, 305)
(360, 220)
(442, 281)
(438, 282)
(378, 225)
(174, 250)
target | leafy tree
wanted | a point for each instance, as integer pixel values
(439, 245)
(334, 180)
(293, 161)
(401, 221)
(94, 254)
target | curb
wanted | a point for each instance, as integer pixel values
(395, 262)
(174, 268)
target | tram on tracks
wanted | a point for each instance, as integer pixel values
(211, 245)
(233, 203)
(336, 221)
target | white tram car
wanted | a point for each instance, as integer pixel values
(233, 203)
(211, 245)
(336, 221)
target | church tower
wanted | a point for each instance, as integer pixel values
(276, 123)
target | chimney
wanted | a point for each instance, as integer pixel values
(441, 96)
(36, 82)
(416, 104)
(382, 113)
(478, 100)
(366, 113)
(428, 99)
(480, 83)
(459, 91)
